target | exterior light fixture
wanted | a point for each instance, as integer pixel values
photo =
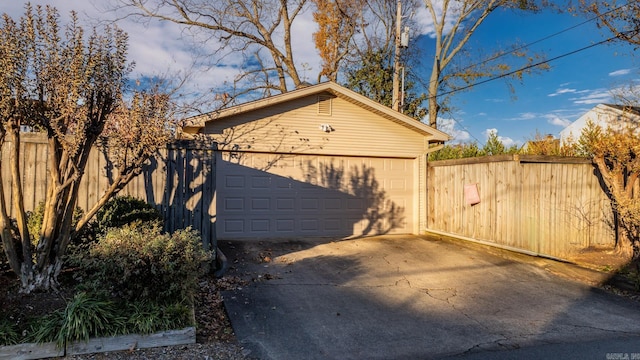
(326, 128)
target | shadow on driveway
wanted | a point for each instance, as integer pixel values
(408, 297)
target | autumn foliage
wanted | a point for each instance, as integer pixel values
(71, 86)
(337, 23)
(616, 153)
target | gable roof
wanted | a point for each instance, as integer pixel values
(605, 115)
(633, 110)
(195, 124)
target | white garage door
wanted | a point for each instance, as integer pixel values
(284, 196)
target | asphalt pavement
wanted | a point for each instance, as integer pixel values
(418, 297)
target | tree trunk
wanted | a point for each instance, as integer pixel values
(43, 280)
(433, 92)
(624, 246)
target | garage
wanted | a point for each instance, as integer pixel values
(321, 161)
(313, 196)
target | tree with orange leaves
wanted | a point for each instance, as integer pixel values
(337, 24)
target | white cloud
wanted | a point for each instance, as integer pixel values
(524, 116)
(451, 127)
(423, 19)
(597, 96)
(556, 120)
(528, 116)
(165, 48)
(506, 141)
(562, 91)
(488, 132)
(620, 72)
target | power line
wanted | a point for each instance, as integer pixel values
(530, 66)
(545, 38)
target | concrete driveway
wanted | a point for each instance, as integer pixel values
(411, 297)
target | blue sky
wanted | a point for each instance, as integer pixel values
(543, 103)
(546, 102)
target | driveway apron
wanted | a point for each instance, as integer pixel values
(408, 297)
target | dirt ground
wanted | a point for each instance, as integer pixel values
(600, 259)
(212, 321)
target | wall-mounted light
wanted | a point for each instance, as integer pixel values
(326, 128)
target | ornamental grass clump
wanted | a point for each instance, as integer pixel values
(85, 316)
(8, 333)
(147, 318)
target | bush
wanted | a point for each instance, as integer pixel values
(85, 316)
(79, 241)
(147, 318)
(8, 333)
(92, 315)
(123, 210)
(34, 221)
(140, 263)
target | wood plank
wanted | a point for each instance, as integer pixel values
(133, 342)
(208, 198)
(42, 174)
(30, 351)
(29, 162)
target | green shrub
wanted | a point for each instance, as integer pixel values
(123, 210)
(78, 247)
(8, 333)
(140, 263)
(147, 318)
(90, 315)
(85, 316)
(34, 220)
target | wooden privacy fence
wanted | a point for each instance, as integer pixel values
(179, 182)
(552, 206)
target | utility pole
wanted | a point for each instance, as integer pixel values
(395, 102)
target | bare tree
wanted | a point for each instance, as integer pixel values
(454, 22)
(68, 85)
(249, 27)
(622, 19)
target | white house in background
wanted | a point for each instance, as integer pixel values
(605, 115)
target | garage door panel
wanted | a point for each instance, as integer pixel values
(285, 225)
(285, 204)
(313, 196)
(234, 204)
(310, 204)
(281, 183)
(260, 182)
(260, 204)
(260, 225)
(235, 181)
(233, 226)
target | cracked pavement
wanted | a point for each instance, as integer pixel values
(414, 297)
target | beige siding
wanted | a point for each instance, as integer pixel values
(294, 127)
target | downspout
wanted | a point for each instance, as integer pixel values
(222, 263)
